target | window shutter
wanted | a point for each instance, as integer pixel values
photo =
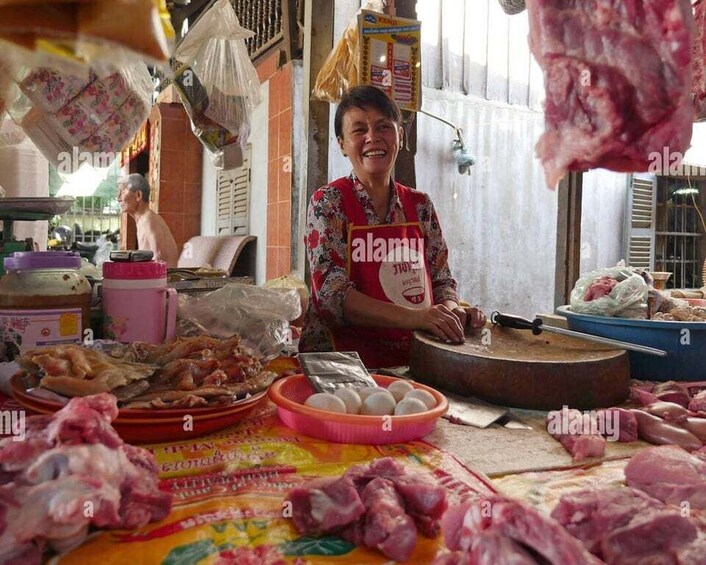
(641, 220)
(233, 200)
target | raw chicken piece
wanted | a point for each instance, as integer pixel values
(669, 474)
(618, 82)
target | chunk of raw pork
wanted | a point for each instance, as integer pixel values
(70, 472)
(617, 78)
(463, 524)
(669, 474)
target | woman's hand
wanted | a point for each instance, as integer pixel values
(442, 322)
(476, 318)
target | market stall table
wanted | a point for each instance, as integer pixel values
(229, 492)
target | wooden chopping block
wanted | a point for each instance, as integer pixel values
(516, 368)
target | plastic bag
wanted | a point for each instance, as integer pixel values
(102, 254)
(341, 70)
(72, 118)
(258, 315)
(218, 83)
(292, 282)
(95, 31)
(624, 297)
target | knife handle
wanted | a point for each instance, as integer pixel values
(516, 322)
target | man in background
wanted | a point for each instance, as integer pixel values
(153, 234)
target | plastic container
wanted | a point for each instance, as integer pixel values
(684, 342)
(290, 393)
(44, 300)
(137, 305)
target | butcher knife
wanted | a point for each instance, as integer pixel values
(537, 327)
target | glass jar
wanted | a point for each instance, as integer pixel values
(44, 300)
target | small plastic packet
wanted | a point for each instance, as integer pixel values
(327, 371)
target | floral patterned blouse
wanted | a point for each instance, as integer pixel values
(326, 247)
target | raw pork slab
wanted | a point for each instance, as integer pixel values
(617, 76)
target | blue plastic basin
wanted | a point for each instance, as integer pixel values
(684, 342)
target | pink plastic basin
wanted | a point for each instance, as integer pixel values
(290, 393)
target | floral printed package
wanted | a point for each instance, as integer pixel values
(70, 113)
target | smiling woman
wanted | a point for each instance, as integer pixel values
(371, 301)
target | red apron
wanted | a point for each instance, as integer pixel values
(385, 262)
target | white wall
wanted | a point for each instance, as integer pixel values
(603, 212)
(258, 186)
(258, 182)
(499, 222)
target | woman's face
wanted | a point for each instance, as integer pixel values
(371, 141)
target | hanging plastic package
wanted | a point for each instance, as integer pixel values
(341, 69)
(71, 113)
(218, 84)
(98, 32)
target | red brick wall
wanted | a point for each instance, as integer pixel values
(180, 174)
(279, 166)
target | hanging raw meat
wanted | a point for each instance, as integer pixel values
(698, 55)
(617, 76)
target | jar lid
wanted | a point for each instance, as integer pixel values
(42, 260)
(135, 270)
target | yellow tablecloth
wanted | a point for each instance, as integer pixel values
(229, 490)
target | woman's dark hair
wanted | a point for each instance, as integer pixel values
(365, 96)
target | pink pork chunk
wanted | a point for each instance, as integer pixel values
(669, 474)
(325, 506)
(517, 521)
(625, 525)
(617, 77)
(67, 463)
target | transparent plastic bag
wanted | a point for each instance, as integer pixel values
(626, 299)
(258, 315)
(292, 282)
(74, 113)
(218, 83)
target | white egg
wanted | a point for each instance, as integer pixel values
(379, 404)
(350, 398)
(426, 397)
(410, 406)
(368, 390)
(399, 388)
(326, 401)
